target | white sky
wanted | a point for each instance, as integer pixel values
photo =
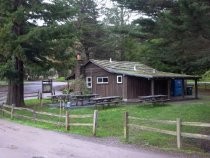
(101, 3)
(109, 4)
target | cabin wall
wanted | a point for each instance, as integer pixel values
(112, 88)
(131, 88)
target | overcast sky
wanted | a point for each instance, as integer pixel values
(101, 4)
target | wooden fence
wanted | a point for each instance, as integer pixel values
(37, 95)
(3, 97)
(10, 110)
(178, 123)
(33, 94)
(202, 85)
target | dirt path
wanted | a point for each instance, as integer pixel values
(19, 141)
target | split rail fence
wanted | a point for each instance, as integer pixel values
(67, 119)
(3, 97)
(178, 123)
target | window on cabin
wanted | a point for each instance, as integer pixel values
(119, 79)
(102, 80)
(89, 82)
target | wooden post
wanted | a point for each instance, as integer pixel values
(40, 97)
(169, 88)
(196, 89)
(183, 89)
(2, 109)
(95, 119)
(126, 129)
(12, 110)
(152, 87)
(178, 132)
(67, 121)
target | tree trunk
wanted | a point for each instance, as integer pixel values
(16, 86)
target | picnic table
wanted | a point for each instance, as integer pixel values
(71, 97)
(107, 100)
(154, 98)
(82, 98)
(62, 97)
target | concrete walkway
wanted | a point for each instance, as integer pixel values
(19, 141)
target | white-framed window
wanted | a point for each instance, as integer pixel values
(89, 82)
(119, 79)
(102, 80)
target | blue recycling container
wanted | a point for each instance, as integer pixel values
(177, 87)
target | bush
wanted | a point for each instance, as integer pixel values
(206, 76)
(77, 85)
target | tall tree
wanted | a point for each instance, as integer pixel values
(184, 37)
(23, 39)
(87, 26)
(148, 7)
(177, 34)
(117, 23)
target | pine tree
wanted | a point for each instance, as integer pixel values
(24, 40)
(87, 26)
(148, 7)
(186, 37)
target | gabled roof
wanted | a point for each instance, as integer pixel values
(135, 69)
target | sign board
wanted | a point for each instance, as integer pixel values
(47, 86)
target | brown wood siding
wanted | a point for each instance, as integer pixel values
(137, 87)
(109, 89)
(133, 86)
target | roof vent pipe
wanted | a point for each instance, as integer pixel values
(154, 71)
(110, 60)
(134, 68)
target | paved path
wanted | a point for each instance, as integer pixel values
(19, 141)
(32, 86)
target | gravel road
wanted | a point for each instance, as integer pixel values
(19, 141)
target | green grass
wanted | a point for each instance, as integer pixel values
(3, 83)
(110, 121)
(61, 79)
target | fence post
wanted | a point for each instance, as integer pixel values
(40, 97)
(67, 121)
(95, 119)
(178, 132)
(126, 132)
(2, 109)
(12, 111)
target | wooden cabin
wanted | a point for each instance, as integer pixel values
(132, 79)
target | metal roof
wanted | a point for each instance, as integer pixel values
(136, 69)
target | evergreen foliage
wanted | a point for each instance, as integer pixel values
(176, 34)
(23, 40)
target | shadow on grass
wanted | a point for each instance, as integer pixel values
(107, 107)
(153, 105)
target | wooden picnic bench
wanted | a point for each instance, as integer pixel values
(107, 100)
(75, 98)
(153, 98)
(82, 98)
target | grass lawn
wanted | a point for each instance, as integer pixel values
(110, 122)
(3, 83)
(61, 79)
